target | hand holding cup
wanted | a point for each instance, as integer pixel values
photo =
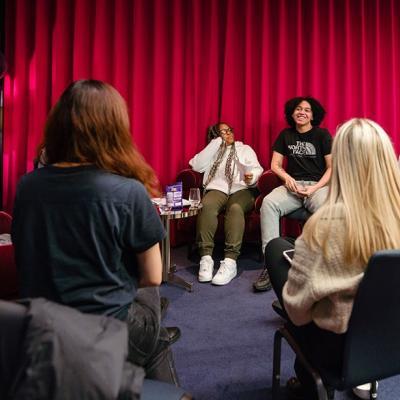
(248, 175)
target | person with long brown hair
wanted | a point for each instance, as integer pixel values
(84, 229)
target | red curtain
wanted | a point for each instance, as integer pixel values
(185, 64)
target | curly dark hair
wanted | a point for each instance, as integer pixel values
(317, 110)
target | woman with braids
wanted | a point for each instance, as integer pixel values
(84, 229)
(231, 170)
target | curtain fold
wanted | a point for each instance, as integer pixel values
(182, 65)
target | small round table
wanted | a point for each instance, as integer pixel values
(169, 269)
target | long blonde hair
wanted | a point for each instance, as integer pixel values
(364, 190)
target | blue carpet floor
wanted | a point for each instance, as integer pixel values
(225, 351)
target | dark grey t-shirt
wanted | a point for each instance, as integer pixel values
(305, 152)
(76, 231)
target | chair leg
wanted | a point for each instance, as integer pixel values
(373, 394)
(331, 393)
(276, 369)
(321, 390)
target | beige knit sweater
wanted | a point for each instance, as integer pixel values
(322, 289)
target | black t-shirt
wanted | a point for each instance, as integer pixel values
(76, 231)
(305, 152)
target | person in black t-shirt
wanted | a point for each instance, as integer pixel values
(85, 231)
(307, 148)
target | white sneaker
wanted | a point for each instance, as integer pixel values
(362, 391)
(206, 269)
(226, 272)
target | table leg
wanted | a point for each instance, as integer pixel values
(168, 273)
(166, 250)
(177, 280)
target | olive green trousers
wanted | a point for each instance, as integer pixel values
(235, 206)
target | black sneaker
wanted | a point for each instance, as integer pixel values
(262, 283)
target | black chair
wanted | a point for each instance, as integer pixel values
(301, 214)
(372, 345)
(14, 320)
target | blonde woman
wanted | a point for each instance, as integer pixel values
(360, 216)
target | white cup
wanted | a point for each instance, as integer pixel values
(164, 204)
(248, 169)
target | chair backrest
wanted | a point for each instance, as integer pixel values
(372, 349)
(8, 270)
(190, 179)
(106, 338)
(51, 341)
(13, 320)
(301, 214)
(5, 222)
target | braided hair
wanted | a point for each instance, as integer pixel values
(213, 132)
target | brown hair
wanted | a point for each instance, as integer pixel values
(90, 124)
